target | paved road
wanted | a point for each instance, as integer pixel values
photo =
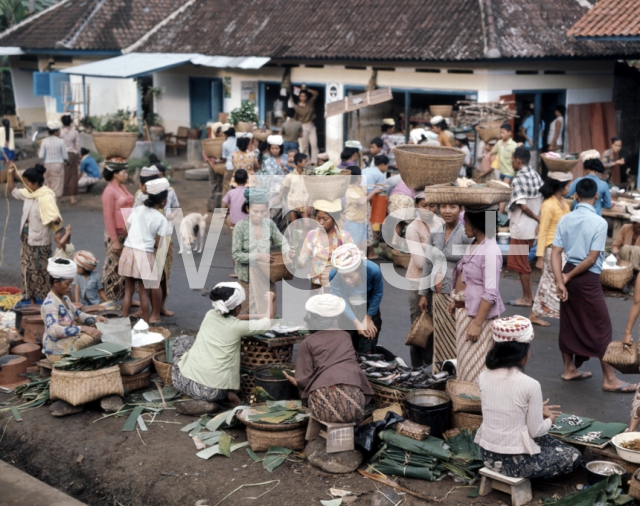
(584, 398)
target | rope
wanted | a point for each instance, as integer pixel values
(6, 197)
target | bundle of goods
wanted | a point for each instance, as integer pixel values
(422, 165)
(561, 162)
(327, 182)
(474, 113)
(115, 144)
(465, 192)
(616, 274)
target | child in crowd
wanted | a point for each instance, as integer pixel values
(87, 286)
(89, 171)
(504, 150)
(375, 149)
(355, 212)
(63, 242)
(485, 169)
(374, 179)
(234, 201)
(291, 164)
(294, 191)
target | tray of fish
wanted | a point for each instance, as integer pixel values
(396, 373)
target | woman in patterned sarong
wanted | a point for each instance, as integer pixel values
(476, 299)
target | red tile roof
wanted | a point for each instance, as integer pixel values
(89, 24)
(609, 18)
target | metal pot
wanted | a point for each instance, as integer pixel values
(598, 470)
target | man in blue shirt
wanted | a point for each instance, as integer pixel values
(89, 171)
(527, 130)
(592, 168)
(585, 325)
(360, 284)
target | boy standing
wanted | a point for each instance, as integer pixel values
(585, 325)
(505, 148)
(524, 216)
(375, 149)
(294, 191)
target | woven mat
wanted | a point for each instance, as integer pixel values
(444, 331)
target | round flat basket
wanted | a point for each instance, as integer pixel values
(482, 196)
(262, 440)
(137, 381)
(80, 387)
(461, 420)
(386, 396)
(213, 147)
(260, 135)
(269, 427)
(488, 131)
(457, 389)
(115, 144)
(617, 278)
(327, 187)
(558, 165)
(441, 110)
(422, 166)
(162, 368)
(277, 270)
(400, 259)
(143, 360)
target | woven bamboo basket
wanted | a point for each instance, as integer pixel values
(460, 420)
(159, 346)
(213, 147)
(5, 342)
(220, 168)
(254, 353)
(413, 430)
(262, 440)
(457, 387)
(162, 368)
(617, 278)
(400, 259)
(441, 110)
(277, 270)
(269, 427)
(112, 144)
(559, 165)
(488, 131)
(625, 361)
(422, 166)
(386, 396)
(137, 381)
(85, 386)
(380, 414)
(484, 196)
(327, 187)
(634, 485)
(260, 135)
(247, 385)
(143, 360)
(244, 126)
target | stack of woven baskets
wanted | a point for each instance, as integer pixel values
(253, 354)
(466, 404)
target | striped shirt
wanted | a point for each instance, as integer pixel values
(53, 150)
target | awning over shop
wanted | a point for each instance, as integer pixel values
(139, 64)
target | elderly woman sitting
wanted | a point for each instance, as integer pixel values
(627, 243)
(208, 369)
(514, 432)
(327, 372)
(61, 334)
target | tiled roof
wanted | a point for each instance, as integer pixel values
(434, 30)
(610, 18)
(90, 24)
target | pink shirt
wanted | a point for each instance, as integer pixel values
(402, 189)
(235, 200)
(115, 197)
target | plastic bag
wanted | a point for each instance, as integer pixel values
(366, 436)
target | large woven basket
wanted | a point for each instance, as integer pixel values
(277, 270)
(488, 131)
(634, 485)
(456, 388)
(262, 440)
(400, 259)
(162, 368)
(559, 165)
(143, 360)
(220, 168)
(327, 187)
(386, 396)
(617, 278)
(5, 342)
(422, 166)
(244, 126)
(159, 346)
(460, 420)
(441, 110)
(255, 353)
(261, 136)
(213, 147)
(81, 387)
(247, 385)
(626, 361)
(448, 194)
(269, 427)
(112, 144)
(137, 381)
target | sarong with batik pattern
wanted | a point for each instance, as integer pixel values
(471, 355)
(337, 404)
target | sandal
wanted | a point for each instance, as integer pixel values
(622, 389)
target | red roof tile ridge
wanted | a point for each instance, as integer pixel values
(32, 18)
(157, 27)
(73, 35)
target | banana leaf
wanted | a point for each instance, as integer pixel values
(431, 447)
(273, 417)
(604, 493)
(225, 445)
(462, 445)
(420, 473)
(215, 450)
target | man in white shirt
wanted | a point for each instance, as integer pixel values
(228, 148)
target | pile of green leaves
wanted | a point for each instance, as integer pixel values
(246, 113)
(327, 169)
(279, 412)
(607, 492)
(99, 356)
(121, 121)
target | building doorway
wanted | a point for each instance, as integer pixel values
(205, 100)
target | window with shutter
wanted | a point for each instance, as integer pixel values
(57, 78)
(41, 84)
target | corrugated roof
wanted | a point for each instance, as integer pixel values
(98, 25)
(610, 18)
(434, 30)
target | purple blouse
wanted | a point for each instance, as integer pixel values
(480, 272)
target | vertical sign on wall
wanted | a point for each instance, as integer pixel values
(227, 86)
(249, 91)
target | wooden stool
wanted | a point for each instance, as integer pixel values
(518, 488)
(339, 436)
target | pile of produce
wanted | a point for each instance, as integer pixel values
(327, 169)
(95, 357)
(398, 374)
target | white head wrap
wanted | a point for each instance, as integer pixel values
(436, 119)
(346, 258)
(224, 306)
(389, 121)
(635, 217)
(54, 125)
(513, 328)
(242, 135)
(353, 144)
(590, 154)
(61, 268)
(226, 127)
(149, 171)
(560, 176)
(276, 140)
(157, 186)
(326, 305)
(416, 135)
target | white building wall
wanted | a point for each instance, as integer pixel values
(29, 108)
(173, 103)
